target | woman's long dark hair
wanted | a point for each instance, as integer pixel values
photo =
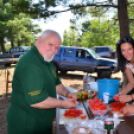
(121, 59)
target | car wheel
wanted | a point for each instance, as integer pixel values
(104, 74)
(63, 71)
(7, 64)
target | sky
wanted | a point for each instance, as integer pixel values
(59, 24)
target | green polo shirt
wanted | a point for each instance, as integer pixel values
(34, 80)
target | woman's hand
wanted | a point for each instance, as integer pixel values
(125, 98)
(122, 93)
(129, 109)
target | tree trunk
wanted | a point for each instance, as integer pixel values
(18, 43)
(12, 44)
(123, 18)
(2, 44)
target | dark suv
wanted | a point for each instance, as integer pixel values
(104, 51)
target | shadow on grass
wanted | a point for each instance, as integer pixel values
(79, 76)
(70, 76)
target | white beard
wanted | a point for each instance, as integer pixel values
(48, 59)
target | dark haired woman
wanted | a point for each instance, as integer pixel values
(125, 53)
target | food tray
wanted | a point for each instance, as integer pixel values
(63, 120)
(98, 112)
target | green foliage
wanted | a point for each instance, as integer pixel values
(131, 16)
(16, 28)
(5, 15)
(21, 29)
(94, 33)
(100, 34)
(71, 38)
(65, 41)
(85, 26)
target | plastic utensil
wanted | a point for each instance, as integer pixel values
(109, 95)
(106, 97)
(112, 97)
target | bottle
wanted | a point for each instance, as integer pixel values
(89, 80)
(85, 82)
(116, 120)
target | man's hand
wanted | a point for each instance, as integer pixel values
(72, 95)
(68, 104)
(125, 98)
(129, 109)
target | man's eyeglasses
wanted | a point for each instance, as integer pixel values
(126, 39)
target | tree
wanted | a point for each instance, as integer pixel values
(70, 38)
(44, 9)
(85, 26)
(22, 31)
(5, 15)
(99, 34)
(65, 41)
(16, 28)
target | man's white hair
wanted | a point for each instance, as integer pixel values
(51, 32)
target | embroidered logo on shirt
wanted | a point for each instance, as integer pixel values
(54, 73)
(34, 92)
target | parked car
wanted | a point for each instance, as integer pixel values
(83, 59)
(103, 51)
(13, 55)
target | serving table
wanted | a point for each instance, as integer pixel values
(125, 127)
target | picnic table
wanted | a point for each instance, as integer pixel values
(125, 127)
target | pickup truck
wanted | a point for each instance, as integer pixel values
(83, 59)
(13, 55)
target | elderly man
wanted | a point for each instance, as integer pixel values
(35, 84)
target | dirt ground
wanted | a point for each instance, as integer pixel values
(71, 79)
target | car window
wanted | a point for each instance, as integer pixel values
(82, 53)
(87, 55)
(59, 51)
(21, 50)
(102, 49)
(27, 49)
(93, 54)
(97, 50)
(105, 49)
(111, 49)
(12, 50)
(68, 52)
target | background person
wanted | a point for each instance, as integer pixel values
(125, 53)
(35, 84)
